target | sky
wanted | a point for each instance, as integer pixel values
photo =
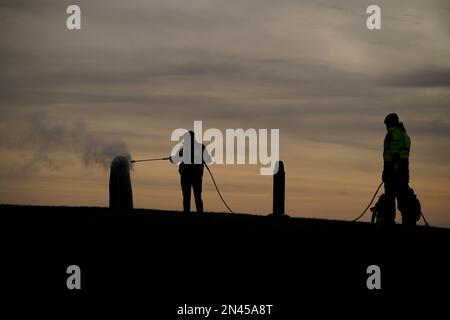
(139, 69)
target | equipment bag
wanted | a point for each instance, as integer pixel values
(413, 208)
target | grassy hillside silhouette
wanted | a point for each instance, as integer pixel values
(173, 256)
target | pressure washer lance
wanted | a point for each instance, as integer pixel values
(154, 159)
(374, 195)
(210, 173)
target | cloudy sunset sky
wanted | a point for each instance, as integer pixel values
(139, 69)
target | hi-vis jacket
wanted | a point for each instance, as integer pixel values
(396, 145)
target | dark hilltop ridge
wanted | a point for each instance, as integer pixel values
(171, 256)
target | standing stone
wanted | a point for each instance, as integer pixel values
(120, 192)
(279, 189)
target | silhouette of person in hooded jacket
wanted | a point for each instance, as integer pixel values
(193, 157)
(395, 176)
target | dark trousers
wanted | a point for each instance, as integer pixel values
(193, 181)
(396, 186)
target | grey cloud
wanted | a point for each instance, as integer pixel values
(420, 78)
(29, 6)
(435, 128)
(43, 98)
(105, 75)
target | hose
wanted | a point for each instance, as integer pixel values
(374, 195)
(217, 188)
(210, 173)
(424, 220)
